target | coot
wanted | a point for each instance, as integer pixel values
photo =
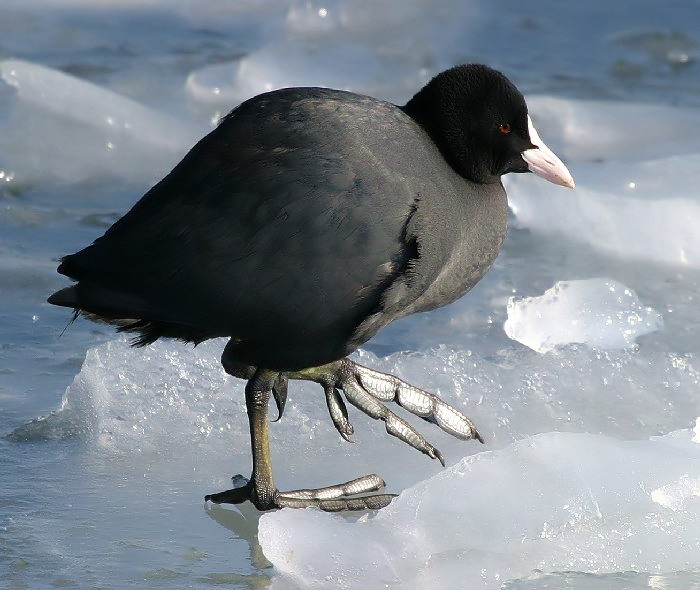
(305, 222)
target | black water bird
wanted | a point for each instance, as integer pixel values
(304, 223)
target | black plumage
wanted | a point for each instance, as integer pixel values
(310, 218)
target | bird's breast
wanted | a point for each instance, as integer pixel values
(462, 245)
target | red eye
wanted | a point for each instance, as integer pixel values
(504, 128)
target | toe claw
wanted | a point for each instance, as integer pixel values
(240, 492)
(338, 412)
(439, 457)
(232, 496)
(279, 392)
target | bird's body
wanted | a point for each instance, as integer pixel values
(298, 228)
(304, 223)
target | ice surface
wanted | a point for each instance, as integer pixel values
(315, 37)
(63, 128)
(596, 130)
(676, 495)
(588, 465)
(553, 502)
(523, 503)
(624, 210)
(598, 312)
(230, 83)
(635, 197)
(162, 395)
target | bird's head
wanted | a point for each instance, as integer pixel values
(479, 121)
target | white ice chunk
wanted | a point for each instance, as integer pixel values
(599, 312)
(334, 44)
(69, 129)
(227, 84)
(675, 495)
(588, 130)
(635, 195)
(549, 503)
(645, 210)
(178, 400)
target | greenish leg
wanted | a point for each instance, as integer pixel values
(260, 490)
(364, 388)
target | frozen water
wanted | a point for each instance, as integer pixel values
(563, 502)
(86, 131)
(598, 312)
(614, 205)
(590, 474)
(548, 502)
(596, 130)
(627, 158)
(566, 501)
(226, 84)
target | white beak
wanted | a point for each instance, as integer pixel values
(543, 162)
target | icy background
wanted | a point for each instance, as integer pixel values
(577, 356)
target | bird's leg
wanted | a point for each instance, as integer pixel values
(261, 490)
(366, 389)
(243, 371)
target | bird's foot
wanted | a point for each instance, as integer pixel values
(367, 389)
(344, 496)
